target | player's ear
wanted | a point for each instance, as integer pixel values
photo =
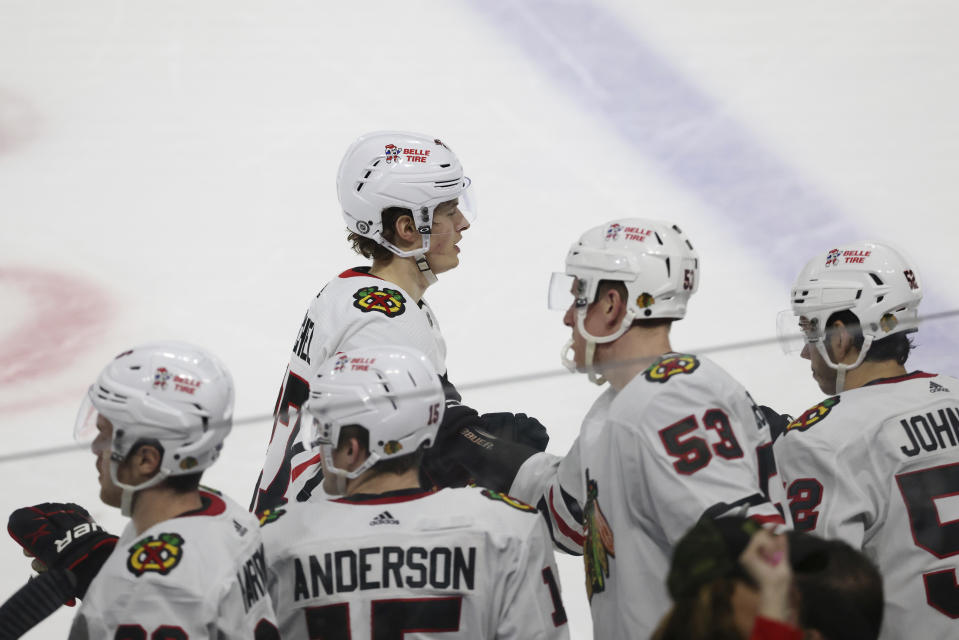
(841, 342)
(355, 453)
(614, 306)
(145, 461)
(406, 232)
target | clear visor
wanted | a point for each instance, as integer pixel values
(85, 426)
(462, 209)
(795, 332)
(566, 290)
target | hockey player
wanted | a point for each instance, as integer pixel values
(671, 438)
(876, 463)
(404, 200)
(190, 563)
(389, 558)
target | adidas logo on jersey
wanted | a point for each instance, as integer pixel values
(933, 387)
(384, 518)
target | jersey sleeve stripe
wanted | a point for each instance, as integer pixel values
(564, 528)
(303, 466)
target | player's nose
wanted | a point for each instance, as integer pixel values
(805, 352)
(462, 224)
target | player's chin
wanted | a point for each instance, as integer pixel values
(444, 263)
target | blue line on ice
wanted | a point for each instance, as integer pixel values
(588, 51)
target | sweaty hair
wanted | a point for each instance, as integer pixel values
(895, 347)
(398, 465)
(370, 248)
(843, 599)
(705, 615)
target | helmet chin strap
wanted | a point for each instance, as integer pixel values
(591, 342)
(424, 266)
(340, 476)
(128, 491)
(841, 368)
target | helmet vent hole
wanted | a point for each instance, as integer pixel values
(690, 245)
(410, 375)
(875, 278)
(658, 239)
(445, 166)
(135, 367)
(648, 312)
(879, 299)
(668, 268)
(858, 294)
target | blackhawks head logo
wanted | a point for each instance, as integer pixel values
(510, 500)
(812, 416)
(599, 541)
(671, 366)
(160, 554)
(389, 302)
(270, 515)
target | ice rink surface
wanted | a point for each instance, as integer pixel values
(167, 171)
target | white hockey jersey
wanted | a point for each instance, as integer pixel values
(354, 310)
(681, 439)
(456, 563)
(878, 467)
(199, 575)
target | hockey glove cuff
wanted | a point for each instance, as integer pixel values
(63, 536)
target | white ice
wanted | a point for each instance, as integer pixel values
(167, 171)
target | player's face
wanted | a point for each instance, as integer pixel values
(448, 227)
(109, 492)
(822, 373)
(591, 323)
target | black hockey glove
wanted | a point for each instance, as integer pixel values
(490, 461)
(517, 427)
(63, 536)
(777, 421)
(441, 468)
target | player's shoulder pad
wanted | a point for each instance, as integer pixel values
(498, 496)
(813, 416)
(670, 366)
(155, 554)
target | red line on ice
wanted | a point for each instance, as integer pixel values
(65, 315)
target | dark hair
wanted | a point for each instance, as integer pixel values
(369, 248)
(895, 347)
(185, 483)
(706, 614)
(398, 465)
(841, 597)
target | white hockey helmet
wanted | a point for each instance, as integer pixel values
(170, 394)
(653, 259)
(874, 281)
(387, 169)
(393, 392)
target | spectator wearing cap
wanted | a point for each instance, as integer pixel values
(732, 579)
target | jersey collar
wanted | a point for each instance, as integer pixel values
(915, 375)
(388, 497)
(357, 272)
